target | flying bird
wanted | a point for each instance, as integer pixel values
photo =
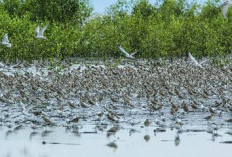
(127, 54)
(5, 41)
(40, 32)
(195, 61)
(224, 8)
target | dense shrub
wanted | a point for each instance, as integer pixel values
(144, 9)
(13, 7)
(58, 10)
(62, 40)
(51, 10)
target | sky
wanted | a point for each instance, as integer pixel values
(101, 5)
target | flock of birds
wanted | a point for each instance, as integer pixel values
(165, 95)
(175, 95)
(170, 92)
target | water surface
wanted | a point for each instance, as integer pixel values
(142, 141)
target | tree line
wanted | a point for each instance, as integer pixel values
(168, 28)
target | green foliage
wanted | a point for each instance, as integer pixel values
(209, 11)
(121, 8)
(144, 8)
(168, 29)
(75, 11)
(62, 40)
(58, 10)
(13, 7)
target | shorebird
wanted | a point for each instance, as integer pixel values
(177, 139)
(127, 54)
(224, 8)
(5, 41)
(195, 61)
(40, 32)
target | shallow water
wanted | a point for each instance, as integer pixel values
(112, 100)
(142, 142)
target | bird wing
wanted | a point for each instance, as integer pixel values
(37, 30)
(192, 58)
(224, 9)
(42, 30)
(5, 38)
(132, 54)
(123, 51)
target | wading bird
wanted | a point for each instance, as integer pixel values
(224, 8)
(194, 60)
(40, 32)
(127, 54)
(5, 41)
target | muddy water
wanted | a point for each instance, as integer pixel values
(128, 141)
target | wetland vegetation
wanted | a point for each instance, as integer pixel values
(167, 29)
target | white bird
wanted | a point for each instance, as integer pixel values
(127, 54)
(40, 32)
(194, 60)
(224, 8)
(5, 41)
